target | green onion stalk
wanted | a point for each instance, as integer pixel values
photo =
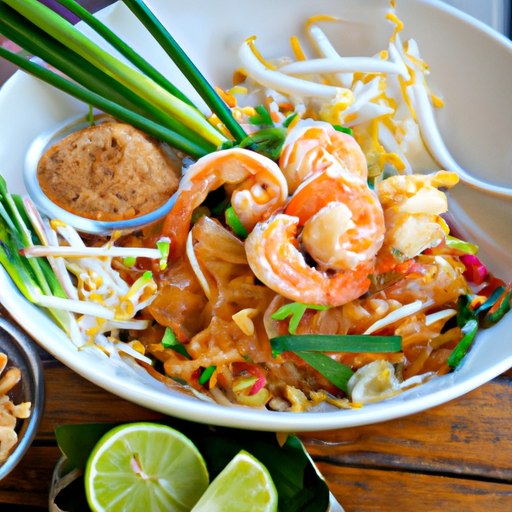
(67, 34)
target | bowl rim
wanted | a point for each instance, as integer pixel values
(30, 427)
(44, 204)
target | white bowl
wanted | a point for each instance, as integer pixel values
(471, 65)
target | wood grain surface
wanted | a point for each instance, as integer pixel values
(453, 457)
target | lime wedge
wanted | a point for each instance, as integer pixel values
(144, 466)
(244, 485)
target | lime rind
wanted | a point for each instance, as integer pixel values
(145, 466)
(244, 485)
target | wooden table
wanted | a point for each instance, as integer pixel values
(454, 457)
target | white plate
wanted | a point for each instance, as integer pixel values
(470, 64)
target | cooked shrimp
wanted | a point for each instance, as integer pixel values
(343, 230)
(313, 146)
(342, 219)
(259, 190)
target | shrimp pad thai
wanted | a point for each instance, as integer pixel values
(310, 264)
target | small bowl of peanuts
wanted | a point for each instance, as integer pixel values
(21, 395)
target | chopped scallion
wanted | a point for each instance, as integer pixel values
(170, 341)
(469, 330)
(296, 310)
(265, 116)
(234, 223)
(495, 295)
(337, 373)
(206, 375)
(499, 308)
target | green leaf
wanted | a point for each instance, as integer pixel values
(77, 441)
(470, 330)
(299, 487)
(336, 343)
(337, 373)
(296, 310)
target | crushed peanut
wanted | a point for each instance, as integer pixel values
(8, 411)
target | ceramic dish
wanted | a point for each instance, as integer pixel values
(476, 125)
(22, 354)
(45, 205)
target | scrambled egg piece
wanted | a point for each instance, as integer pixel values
(412, 205)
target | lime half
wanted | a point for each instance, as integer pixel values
(145, 466)
(244, 485)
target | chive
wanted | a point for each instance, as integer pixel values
(256, 120)
(289, 119)
(121, 113)
(187, 67)
(31, 38)
(264, 114)
(470, 330)
(342, 129)
(234, 223)
(495, 295)
(205, 376)
(500, 308)
(38, 42)
(268, 142)
(465, 313)
(123, 48)
(67, 34)
(337, 373)
(336, 343)
(296, 310)
(180, 349)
